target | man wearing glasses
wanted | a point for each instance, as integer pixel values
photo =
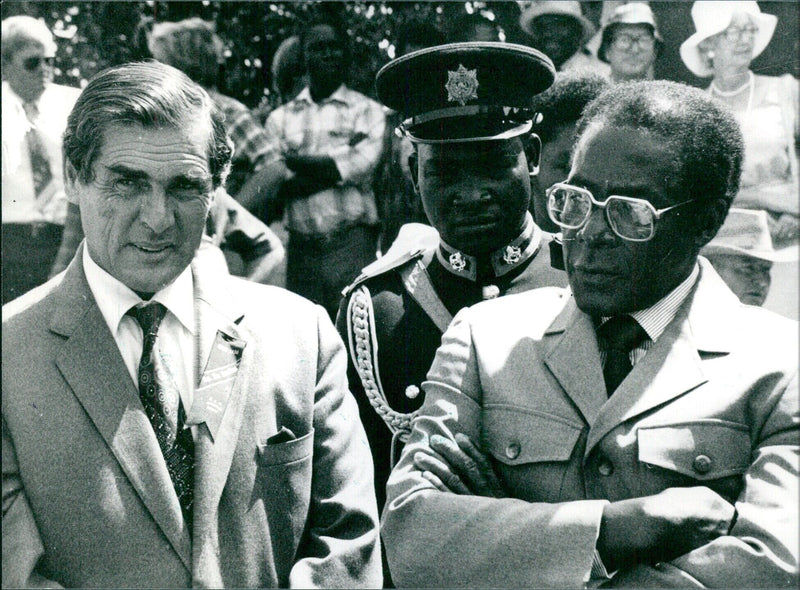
(34, 114)
(639, 429)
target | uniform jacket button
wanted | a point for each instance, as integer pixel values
(702, 464)
(512, 450)
(412, 391)
(605, 467)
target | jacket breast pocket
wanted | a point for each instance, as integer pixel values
(713, 453)
(288, 451)
(531, 450)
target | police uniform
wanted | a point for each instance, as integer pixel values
(393, 316)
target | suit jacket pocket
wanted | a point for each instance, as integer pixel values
(532, 449)
(709, 452)
(287, 452)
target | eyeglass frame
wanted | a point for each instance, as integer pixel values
(642, 41)
(35, 61)
(728, 34)
(657, 213)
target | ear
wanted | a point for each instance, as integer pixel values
(71, 182)
(709, 219)
(412, 167)
(532, 144)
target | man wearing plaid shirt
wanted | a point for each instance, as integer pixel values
(327, 143)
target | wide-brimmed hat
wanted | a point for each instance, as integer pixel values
(633, 13)
(711, 17)
(746, 233)
(538, 8)
(462, 92)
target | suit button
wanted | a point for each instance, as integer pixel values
(605, 467)
(702, 464)
(512, 450)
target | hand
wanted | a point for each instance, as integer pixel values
(460, 468)
(784, 229)
(663, 526)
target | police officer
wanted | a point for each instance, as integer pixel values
(467, 112)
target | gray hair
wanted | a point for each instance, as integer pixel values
(150, 94)
(22, 31)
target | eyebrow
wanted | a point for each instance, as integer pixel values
(200, 181)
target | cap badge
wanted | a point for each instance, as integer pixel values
(512, 255)
(457, 261)
(462, 85)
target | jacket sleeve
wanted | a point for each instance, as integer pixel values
(22, 545)
(342, 547)
(439, 539)
(761, 549)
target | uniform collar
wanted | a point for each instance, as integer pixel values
(502, 260)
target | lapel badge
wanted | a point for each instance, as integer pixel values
(462, 85)
(512, 254)
(457, 261)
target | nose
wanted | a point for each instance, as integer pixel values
(469, 189)
(156, 212)
(596, 231)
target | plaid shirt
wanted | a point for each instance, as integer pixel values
(348, 127)
(250, 145)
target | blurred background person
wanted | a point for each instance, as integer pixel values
(288, 77)
(630, 42)
(34, 116)
(249, 248)
(560, 30)
(728, 36)
(560, 107)
(325, 146)
(472, 26)
(743, 255)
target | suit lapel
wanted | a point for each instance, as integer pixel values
(573, 358)
(110, 399)
(673, 365)
(218, 314)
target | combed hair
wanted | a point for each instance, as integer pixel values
(564, 102)
(22, 31)
(191, 45)
(150, 94)
(705, 138)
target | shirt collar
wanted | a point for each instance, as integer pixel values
(503, 260)
(655, 319)
(115, 298)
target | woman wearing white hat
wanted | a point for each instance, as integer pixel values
(729, 36)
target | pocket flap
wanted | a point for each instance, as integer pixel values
(286, 452)
(703, 449)
(520, 435)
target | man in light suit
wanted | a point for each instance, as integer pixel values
(578, 461)
(240, 461)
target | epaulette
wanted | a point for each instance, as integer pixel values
(415, 241)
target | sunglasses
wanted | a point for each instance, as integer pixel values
(631, 219)
(33, 63)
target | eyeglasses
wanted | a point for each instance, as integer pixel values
(629, 218)
(623, 41)
(33, 63)
(734, 34)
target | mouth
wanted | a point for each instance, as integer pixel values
(152, 249)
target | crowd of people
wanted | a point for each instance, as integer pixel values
(506, 324)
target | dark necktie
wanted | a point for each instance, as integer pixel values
(161, 402)
(618, 337)
(40, 163)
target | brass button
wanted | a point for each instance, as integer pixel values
(512, 450)
(702, 464)
(605, 467)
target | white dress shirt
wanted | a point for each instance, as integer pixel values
(176, 334)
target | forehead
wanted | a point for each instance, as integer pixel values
(632, 29)
(157, 152)
(612, 158)
(741, 18)
(466, 151)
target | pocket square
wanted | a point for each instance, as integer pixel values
(282, 436)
